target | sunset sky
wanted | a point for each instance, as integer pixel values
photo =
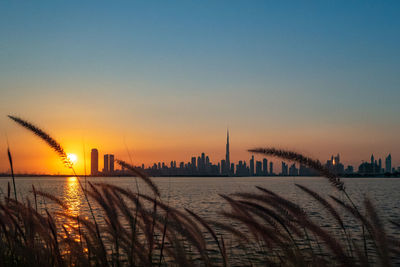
(164, 79)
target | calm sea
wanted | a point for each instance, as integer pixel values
(202, 194)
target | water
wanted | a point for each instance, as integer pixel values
(202, 194)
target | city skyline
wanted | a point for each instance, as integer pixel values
(203, 166)
(126, 155)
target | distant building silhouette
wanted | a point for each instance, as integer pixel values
(265, 167)
(259, 168)
(94, 162)
(193, 164)
(284, 171)
(106, 164)
(349, 170)
(227, 158)
(111, 163)
(367, 168)
(224, 171)
(271, 168)
(293, 171)
(252, 166)
(306, 171)
(388, 163)
(335, 165)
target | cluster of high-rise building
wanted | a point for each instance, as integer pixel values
(202, 166)
(375, 166)
(108, 162)
(198, 166)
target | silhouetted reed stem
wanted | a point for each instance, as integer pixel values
(35, 197)
(12, 171)
(163, 239)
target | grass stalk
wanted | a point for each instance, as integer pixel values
(12, 172)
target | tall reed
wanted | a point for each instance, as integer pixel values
(45, 137)
(12, 171)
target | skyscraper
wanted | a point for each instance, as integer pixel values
(258, 168)
(284, 169)
(202, 167)
(193, 163)
(265, 167)
(227, 160)
(293, 171)
(388, 163)
(198, 164)
(111, 163)
(252, 166)
(223, 167)
(106, 164)
(94, 162)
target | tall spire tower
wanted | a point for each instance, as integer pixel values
(227, 160)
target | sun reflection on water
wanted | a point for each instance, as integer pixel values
(72, 199)
(72, 196)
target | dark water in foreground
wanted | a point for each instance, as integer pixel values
(201, 194)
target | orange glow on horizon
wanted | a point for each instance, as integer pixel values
(149, 145)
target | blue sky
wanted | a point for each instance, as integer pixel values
(275, 72)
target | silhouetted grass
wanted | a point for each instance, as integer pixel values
(12, 171)
(45, 137)
(137, 229)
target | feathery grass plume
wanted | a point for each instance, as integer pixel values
(331, 210)
(45, 137)
(242, 238)
(270, 217)
(379, 233)
(141, 174)
(302, 220)
(324, 203)
(241, 213)
(164, 231)
(53, 198)
(211, 231)
(299, 158)
(35, 196)
(353, 210)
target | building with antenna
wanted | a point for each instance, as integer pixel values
(227, 159)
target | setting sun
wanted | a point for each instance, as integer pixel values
(72, 158)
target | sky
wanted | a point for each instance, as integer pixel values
(163, 80)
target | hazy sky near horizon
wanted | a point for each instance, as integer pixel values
(164, 79)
